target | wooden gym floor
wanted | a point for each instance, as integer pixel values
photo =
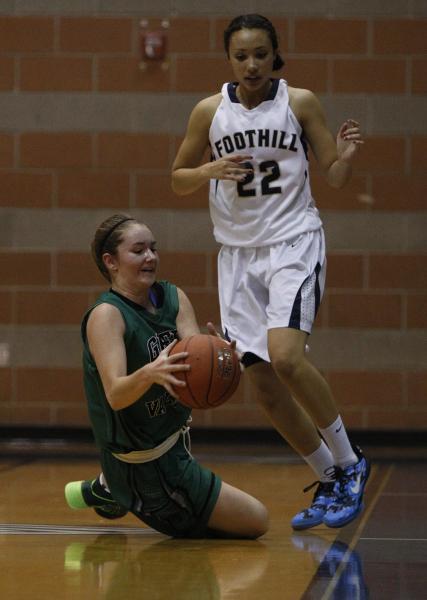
(49, 551)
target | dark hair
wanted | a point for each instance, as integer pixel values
(254, 21)
(106, 239)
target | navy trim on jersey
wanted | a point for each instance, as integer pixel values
(304, 144)
(231, 89)
(156, 295)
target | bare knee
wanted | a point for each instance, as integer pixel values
(285, 365)
(286, 349)
(260, 521)
(259, 524)
(238, 514)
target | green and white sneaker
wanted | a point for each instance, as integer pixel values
(85, 494)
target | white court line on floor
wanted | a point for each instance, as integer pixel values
(377, 539)
(406, 494)
(31, 529)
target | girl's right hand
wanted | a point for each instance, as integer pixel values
(162, 369)
(231, 168)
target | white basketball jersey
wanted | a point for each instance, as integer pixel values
(275, 203)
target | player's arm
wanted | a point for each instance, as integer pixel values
(188, 175)
(334, 156)
(186, 320)
(105, 331)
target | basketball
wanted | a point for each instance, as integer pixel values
(214, 374)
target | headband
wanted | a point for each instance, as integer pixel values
(110, 231)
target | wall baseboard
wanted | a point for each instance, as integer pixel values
(233, 436)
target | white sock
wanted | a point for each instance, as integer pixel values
(322, 462)
(336, 437)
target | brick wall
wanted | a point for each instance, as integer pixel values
(84, 132)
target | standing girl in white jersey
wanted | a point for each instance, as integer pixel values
(272, 261)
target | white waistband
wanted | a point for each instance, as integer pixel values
(143, 456)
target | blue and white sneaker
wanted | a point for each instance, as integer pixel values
(351, 484)
(323, 497)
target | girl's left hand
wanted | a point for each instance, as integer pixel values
(349, 140)
(214, 332)
(232, 344)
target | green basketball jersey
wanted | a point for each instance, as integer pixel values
(156, 415)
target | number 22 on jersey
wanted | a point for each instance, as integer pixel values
(271, 173)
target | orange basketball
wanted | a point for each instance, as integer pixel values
(214, 374)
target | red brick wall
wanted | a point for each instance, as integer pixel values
(367, 65)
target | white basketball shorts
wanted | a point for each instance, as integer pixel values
(270, 286)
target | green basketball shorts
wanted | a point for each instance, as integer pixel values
(173, 494)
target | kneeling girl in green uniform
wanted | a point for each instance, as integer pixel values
(139, 426)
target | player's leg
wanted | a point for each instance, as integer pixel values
(266, 292)
(308, 386)
(295, 425)
(295, 291)
(286, 414)
(238, 514)
(244, 296)
(288, 359)
(179, 497)
(294, 299)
